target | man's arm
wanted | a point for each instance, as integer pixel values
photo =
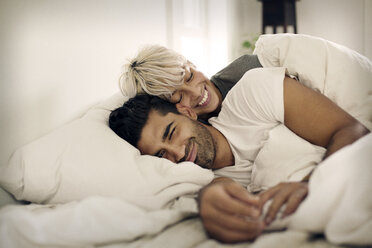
(229, 212)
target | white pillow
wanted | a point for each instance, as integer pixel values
(291, 162)
(336, 71)
(86, 158)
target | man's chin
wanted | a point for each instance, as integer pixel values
(205, 165)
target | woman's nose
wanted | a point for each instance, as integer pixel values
(190, 94)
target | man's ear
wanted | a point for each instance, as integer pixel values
(186, 111)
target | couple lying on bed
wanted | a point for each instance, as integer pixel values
(164, 123)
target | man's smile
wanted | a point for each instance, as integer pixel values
(191, 156)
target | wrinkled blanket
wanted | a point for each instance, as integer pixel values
(339, 204)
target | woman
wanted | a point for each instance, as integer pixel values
(160, 71)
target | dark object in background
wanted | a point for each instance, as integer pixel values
(278, 13)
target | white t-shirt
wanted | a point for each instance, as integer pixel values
(250, 110)
(266, 152)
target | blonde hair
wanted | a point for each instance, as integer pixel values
(155, 70)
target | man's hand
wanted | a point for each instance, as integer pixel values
(291, 194)
(229, 212)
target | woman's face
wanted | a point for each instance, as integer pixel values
(197, 92)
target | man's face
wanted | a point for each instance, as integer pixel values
(177, 138)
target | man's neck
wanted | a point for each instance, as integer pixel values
(224, 156)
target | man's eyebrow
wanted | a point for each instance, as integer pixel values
(166, 131)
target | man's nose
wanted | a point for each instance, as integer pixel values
(175, 153)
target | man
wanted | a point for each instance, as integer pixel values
(261, 100)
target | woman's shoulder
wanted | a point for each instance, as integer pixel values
(260, 79)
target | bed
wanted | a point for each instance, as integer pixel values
(89, 188)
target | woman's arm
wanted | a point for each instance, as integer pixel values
(320, 121)
(317, 119)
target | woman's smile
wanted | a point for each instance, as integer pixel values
(206, 98)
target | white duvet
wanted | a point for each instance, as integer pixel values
(339, 203)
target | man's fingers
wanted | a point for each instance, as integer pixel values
(268, 194)
(291, 194)
(228, 227)
(220, 196)
(243, 195)
(236, 207)
(294, 201)
(278, 201)
(229, 213)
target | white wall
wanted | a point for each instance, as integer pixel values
(58, 58)
(245, 24)
(368, 28)
(341, 21)
(199, 29)
(219, 34)
(347, 22)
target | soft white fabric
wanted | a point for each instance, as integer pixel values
(285, 157)
(86, 158)
(336, 71)
(92, 221)
(251, 119)
(339, 203)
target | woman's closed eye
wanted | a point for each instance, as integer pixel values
(190, 77)
(180, 99)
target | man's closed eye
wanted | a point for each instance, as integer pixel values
(171, 134)
(160, 154)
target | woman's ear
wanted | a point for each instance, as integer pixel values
(186, 111)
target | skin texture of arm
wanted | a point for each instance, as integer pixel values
(317, 119)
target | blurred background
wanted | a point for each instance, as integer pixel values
(58, 58)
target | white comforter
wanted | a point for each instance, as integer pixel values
(339, 203)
